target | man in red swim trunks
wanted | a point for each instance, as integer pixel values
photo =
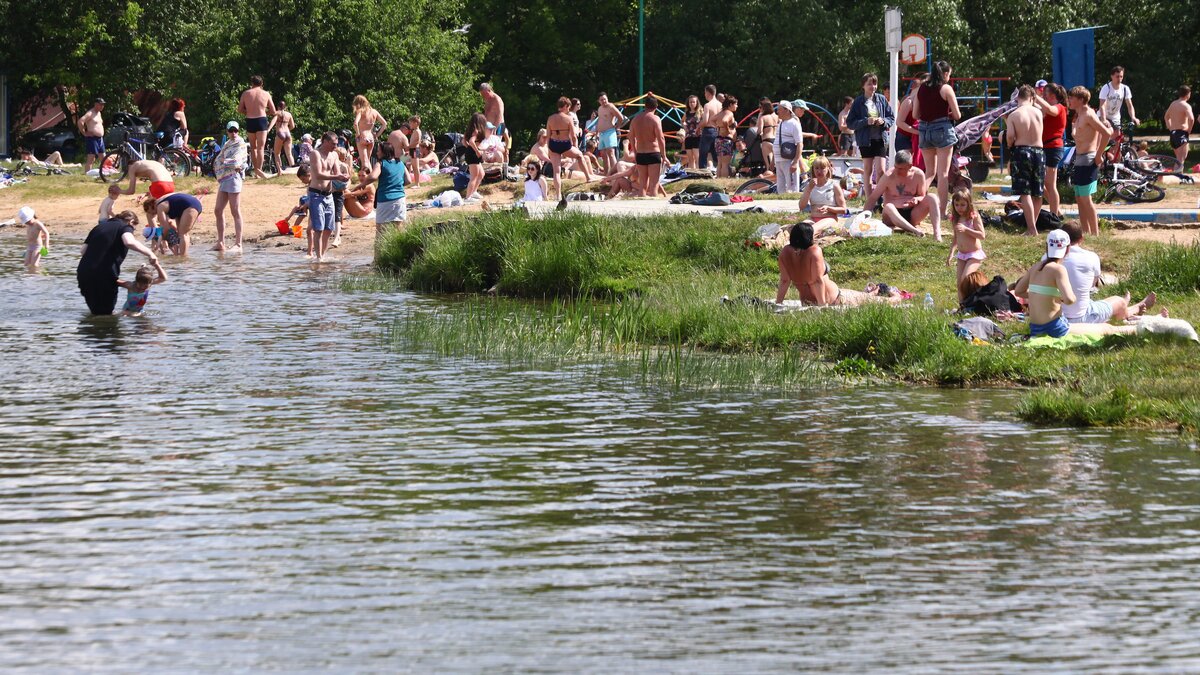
(162, 182)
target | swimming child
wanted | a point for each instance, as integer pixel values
(138, 290)
(37, 237)
(968, 235)
(107, 207)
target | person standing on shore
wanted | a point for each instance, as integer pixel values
(608, 120)
(788, 144)
(256, 104)
(91, 126)
(871, 117)
(692, 116)
(493, 109)
(100, 260)
(936, 108)
(366, 120)
(708, 128)
(1180, 119)
(1054, 123)
(845, 134)
(325, 168)
(561, 145)
(1028, 163)
(283, 123)
(648, 144)
(1113, 94)
(1091, 137)
(229, 167)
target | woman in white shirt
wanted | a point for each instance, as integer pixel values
(787, 170)
(823, 195)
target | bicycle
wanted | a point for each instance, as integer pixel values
(1119, 181)
(1124, 149)
(115, 164)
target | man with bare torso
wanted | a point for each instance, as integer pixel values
(905, 201)
(561, 131)
(1091, 136)
(91, 126)
(1028, 165)
(324, 168)
(608, 120)
(162, 181)
(1180, 119)
(708, 127)
(648, 144)
(493, 109)
(257, 106)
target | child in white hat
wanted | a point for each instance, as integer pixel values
(37, 237)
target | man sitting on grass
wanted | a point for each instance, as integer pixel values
(905, 201)
(1083, 268)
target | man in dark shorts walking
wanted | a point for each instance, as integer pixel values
(91, 127)
(1180, 119)
(1028, 163)
(258, 107)
(100, 261)
(648, 143)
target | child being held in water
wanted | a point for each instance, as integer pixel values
(968, 236)
(37, 236)
(138, 291)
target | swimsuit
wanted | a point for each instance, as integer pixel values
(648, 158)
(765, 138)
(283, 133)
(178, 204)
(1179, 138)
(1056, 328)
(471, 156)
(135, 301)
(366, 137)
(977, 254)
(161, 188)
(1051, 291)
(1085, 175)
(94, 145)
(724, 147)
(558, 146)
(1028, 165)
(256, 124)
(609, 139)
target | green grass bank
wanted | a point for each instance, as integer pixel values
(642, 288)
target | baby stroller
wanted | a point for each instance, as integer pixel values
(752, 162)
(449, 149)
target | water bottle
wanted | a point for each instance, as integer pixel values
(928, 300)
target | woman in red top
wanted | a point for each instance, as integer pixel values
(906, 122)
(1054, 123)
(936, 106)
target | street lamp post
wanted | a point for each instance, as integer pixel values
(641, 45)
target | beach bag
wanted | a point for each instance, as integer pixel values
(461, 180)
(992, 298)
(787, 150)
(713, 199)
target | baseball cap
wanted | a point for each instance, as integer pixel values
(786, 105)
(1057, 242)
(24, 215)
(491, 126)
(799, 103)
(98, 100)
(232, 126)
(1041, 83)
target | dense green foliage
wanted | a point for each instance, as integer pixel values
(317, 54)
(403, 55)
(624, 286)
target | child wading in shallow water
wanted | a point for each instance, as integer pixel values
(968, 235)
(37, 237)
(138, 290)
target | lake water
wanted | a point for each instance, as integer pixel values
(250, 478)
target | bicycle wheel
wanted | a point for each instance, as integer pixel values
(756, 186)
(113, 167)
(177, 162)
(1140, 193)
(1157, 165)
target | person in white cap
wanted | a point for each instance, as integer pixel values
(1047, 288)
(789, 142)
(37, 237)
(230, 168)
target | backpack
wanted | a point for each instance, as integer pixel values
(712, 199)
(992, 298)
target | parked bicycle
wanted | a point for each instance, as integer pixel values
(115, 164)
(1126, 151)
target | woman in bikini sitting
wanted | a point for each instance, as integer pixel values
(767, 123)
(802, 264)
(360, 200)
(1048, 287)
(366, 120)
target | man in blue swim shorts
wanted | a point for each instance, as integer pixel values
(608, 120)
(1091, 137)
(91, 127)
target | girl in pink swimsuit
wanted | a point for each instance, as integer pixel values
(968, 236)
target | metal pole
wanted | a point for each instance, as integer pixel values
(641, 45)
